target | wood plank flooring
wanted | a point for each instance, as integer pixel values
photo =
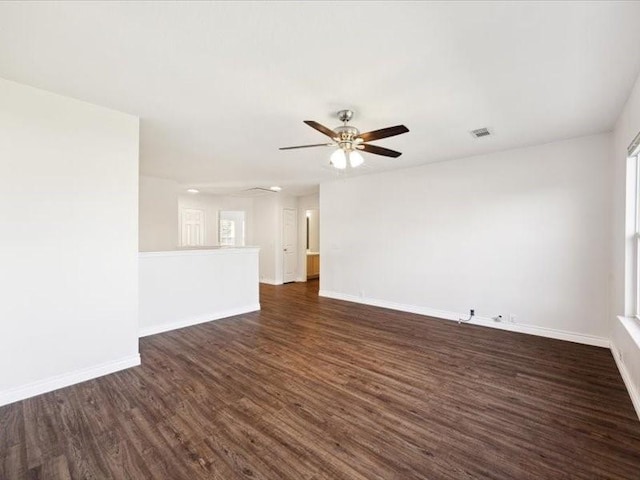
(312, 388)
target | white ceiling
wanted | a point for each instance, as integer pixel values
(220, 86)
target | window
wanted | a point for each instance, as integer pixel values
(633, 199)
(231, 228)
(636, 235)
(227, 232)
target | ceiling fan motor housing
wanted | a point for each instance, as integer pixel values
(346, 136)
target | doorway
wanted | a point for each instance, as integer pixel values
(312, 218)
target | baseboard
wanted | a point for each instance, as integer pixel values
(187, 322)
(270, 281)
(633, 390)
(482, 321)
(66, 380)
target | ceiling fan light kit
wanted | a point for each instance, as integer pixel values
(349, 141)
(341, 158)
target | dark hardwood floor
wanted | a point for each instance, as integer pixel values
(312, 388)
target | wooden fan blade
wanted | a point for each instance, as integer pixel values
(321, 128)
(308, 146)
(383, 133)
(379, 150)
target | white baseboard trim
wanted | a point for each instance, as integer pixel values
(66, 380)
(187, 322)
(270, 281)
(634, 391)
(482, 321)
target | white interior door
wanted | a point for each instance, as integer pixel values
(289, 245)
(191, 227)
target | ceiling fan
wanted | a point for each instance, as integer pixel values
(349, 140)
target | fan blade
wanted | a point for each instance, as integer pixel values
(383, 133)
(379, 150)
(308, 146)
(321, 128)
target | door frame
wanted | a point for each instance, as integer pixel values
(294, 274)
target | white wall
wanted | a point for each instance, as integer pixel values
(178, 289)
(267, 228)
(625, 334)
(265, 223)
(68, 241)
(158, 214)
(313, 218)
(211, 205)
(524, 232)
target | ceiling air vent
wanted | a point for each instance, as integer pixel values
(480, 132)
(254, 192)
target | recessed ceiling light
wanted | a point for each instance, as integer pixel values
(275, 188)
(193, 190)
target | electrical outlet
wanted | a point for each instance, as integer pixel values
(513, 318)
(497, 318)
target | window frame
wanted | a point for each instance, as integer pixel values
(636, 235)
(634, 157)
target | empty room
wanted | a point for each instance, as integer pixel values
(320, 240)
